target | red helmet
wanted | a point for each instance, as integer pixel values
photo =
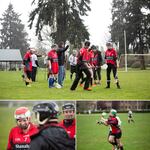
(22, 112)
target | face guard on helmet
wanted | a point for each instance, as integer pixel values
(22, 116)
(113, 112)
(44, 112)
(68, 111)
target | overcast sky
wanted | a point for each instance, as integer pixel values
(97, 21)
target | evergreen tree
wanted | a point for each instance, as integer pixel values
(137, 25)
(63, 17)
(12, 34)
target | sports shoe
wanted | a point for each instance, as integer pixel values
(58, 86)
(28, 80)
(118, 86)
(107, 87)
(93, 85)
(88, 89)
(81, 85)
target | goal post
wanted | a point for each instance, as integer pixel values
(132, 61)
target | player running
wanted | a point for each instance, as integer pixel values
(115, 132)
(19, 136)
(130, 116)
(111, 61)
(53, 67)
(69, 122)
(50, 136)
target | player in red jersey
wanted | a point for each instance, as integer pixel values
(69, 122)
(83, 65)
(27, 62)
(19, 136)
(53, 66)
(115, 131)
(111, 61)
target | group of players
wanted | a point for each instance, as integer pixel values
(88, 62)
(115, 132)
(49, 133)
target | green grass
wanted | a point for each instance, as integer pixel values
(135, 85)
(91, 136)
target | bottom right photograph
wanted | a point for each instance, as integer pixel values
(113, 125)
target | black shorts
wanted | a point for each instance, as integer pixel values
(117, 135)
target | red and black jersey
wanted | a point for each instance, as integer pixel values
(27, 61)
(111, 56)
(84, 55)
(18, 140)
(69, 126)
(53, 57)
(113, 122)
(91, 57)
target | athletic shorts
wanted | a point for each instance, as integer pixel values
(130, 116)
(117, 135)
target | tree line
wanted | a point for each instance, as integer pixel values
(63, 18)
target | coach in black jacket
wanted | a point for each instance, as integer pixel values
(61, 62)
(50, 136)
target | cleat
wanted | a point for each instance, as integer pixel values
(107, 87)
(28, 80)
(58, 86)
(88, 89)
(93, 85)
(81, 85)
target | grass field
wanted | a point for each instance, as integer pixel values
(135, 85)
(91, 136)
(7, 121)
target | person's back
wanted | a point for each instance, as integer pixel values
(52, 137)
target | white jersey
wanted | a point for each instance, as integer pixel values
(72, 60)
(33, 59)
(130, 113)
(119, 121)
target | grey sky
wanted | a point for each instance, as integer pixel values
(98, 20)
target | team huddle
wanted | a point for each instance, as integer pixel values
(48, 133)
(85, 63)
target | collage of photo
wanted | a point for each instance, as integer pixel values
(75, 75)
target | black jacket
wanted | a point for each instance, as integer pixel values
(52, 138)
(61, 55)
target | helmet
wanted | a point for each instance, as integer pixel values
(113, 112)
(46, 111)
(69, 106)
(69, 111)
(22, 113)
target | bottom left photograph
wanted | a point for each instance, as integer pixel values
(38, 125)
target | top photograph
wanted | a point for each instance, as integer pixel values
(74, 50)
